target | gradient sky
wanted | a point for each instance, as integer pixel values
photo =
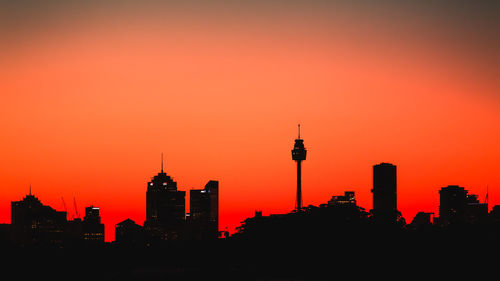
(92, 94)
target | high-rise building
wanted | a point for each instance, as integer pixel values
(385, 192)
(92, 214)
(452, 204)
(204, 210)
(34, 223)
(93, 229)
(165, 207)
(299, 154)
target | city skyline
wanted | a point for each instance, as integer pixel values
(91, 94)
(383, 189)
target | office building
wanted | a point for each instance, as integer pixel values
(204, 210)
(33, 223)
(165, 207)
(93, 229)
(385, 193)
(457, 206)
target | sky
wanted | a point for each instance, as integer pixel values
(92, 94)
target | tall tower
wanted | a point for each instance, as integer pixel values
(385, 192)
(299, 154)
(165, 205)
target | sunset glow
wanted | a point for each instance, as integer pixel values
(89, 104)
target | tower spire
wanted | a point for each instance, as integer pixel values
(299, 131)
(30, 189)
(162, 162)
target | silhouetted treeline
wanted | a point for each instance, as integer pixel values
(326, 222)
(344, 240)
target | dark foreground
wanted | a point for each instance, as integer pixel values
(375, 257)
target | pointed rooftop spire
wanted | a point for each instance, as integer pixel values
(299, 131)
(30, 189)
(162, 162)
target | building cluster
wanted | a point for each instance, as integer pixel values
(456, 206)
(166, 218)
(33, 223)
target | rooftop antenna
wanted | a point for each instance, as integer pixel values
(162, 162)
(30, 189)
(299, 131)
(486, 198)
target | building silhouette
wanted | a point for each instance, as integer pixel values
(495, 214)
(475, 210)
(33, 223)
(165, 207)
(347, 199)
(74, 232)
(299, 154)
(93, 229)
(385, 193)
(422, 219)
(204, 211)
(452, 204)
(457, 206)
(90, 230)
(5, 236)
(129, 233)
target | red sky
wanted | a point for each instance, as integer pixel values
(87, 110)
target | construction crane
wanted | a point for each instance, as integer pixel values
(486, 198)
(76, 209)
(64, 205)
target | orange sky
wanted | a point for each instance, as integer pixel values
(87, 111)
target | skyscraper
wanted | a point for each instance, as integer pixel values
(34, 223)
(299, 154)
(384, 192)
(165, 206)
(93, 229)
(204, 210)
